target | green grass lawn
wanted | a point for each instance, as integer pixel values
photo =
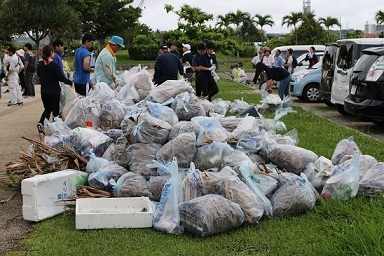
(354, 227)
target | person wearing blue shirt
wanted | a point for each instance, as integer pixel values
(279, 61)
(58, 46)
(83, 70)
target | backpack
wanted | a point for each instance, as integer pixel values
(294, 62)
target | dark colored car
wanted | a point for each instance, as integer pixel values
(366, 88)
(328, 68)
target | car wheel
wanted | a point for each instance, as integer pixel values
(328, 103)
(341, 110)
(311, 93)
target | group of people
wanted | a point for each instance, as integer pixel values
(203, 64)
(52, 70)
(274, 68)
(18, 67)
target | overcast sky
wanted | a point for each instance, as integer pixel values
(353, 13)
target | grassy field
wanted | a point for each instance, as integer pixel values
(354, 227)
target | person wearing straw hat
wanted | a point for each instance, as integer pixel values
(105, 67)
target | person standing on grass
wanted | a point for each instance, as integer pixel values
(82, 76)
(277, 74)
(196, 68)
(105, 67)
(15, 66)
(258, 58)
(50, 74)
(208, 65)
(29, 70)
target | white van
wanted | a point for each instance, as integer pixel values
(349, 53)
(298, 50)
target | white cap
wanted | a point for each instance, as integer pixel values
(20, 52)
(187, 46)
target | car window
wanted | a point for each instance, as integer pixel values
(329, 56)
(345, 58)
(364, 63)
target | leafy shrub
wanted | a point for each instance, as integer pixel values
(143, 52)
(247, 51)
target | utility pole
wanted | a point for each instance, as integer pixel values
(306, 6)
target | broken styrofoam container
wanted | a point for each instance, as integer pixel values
(42, 191)
(123, 212)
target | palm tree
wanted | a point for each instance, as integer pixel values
(329, 22)
(292, 20)
(237, 18)
(223, 21)
(379, 17)
(263, 21)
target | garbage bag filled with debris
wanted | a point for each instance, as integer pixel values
(141, 154)
(149, 129)
(209, 215)
(168, 89)
(181, 127)
(344, 182)
(291, 158)
(344, 147)
(183, 147)
(373, 181)
(186, 106)
(100, 179)
(293, 198)
(163, 112)
(227, 184)
(131, 184)
(209, 156)
(111, 115)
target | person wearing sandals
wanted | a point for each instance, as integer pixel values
(50, 74)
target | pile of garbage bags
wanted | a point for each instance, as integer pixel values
(206, 172)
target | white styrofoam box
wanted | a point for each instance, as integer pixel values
(42, 191)
(122, 212)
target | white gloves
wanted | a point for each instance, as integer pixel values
(212, 68)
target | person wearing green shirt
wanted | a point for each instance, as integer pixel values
(105, 67)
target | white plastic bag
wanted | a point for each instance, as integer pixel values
(166, 217)
(344, 182)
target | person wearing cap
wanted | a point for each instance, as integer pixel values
(208, 65)
(277, 74)
(186, 60)
(196, 68)
(105, 66)
(268, 60)
(21, 54)
(288, 61)
(14, 68)
(174, 50)
(167, 66)
(83, 70)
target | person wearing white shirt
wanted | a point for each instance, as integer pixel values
(15, 66)
(268, 60)
(254, 61)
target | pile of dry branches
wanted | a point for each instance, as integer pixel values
(43, 160)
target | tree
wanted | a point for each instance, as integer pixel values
(379, 17)
(329, 22)
(192, 22)
(292, 20)
(310, 31)
(223, 21)
(104, 18)
(37, 18)
(237, 18)
(263, 21)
